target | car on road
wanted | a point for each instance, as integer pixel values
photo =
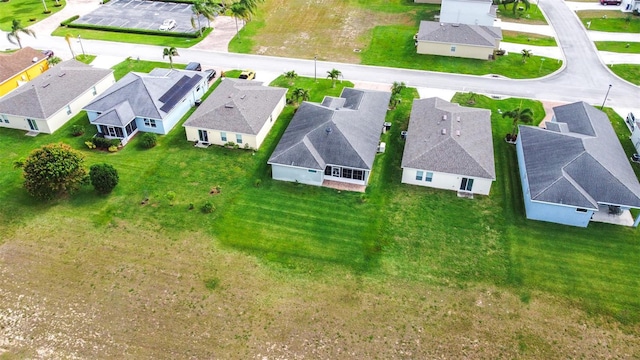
(610, 2)
(168, 24)
(211, 73)
(47, 53)
(248, 75)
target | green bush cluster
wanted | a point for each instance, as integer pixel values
(208, 208)
(70, 20)
(103, 143)
(104, 177)
(148, 140)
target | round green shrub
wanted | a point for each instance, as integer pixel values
(148, 140)
(104, 177)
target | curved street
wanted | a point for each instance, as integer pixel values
(583, 76)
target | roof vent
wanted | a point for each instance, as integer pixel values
(35, 59)
(229, 106)
(457, 132)
(328, 130)
(243, 96)
(458, 118)
(45, 85)
(444, 131)
(62, 74)
(444, 117)
(455, 25)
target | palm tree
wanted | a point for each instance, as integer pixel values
(206, 8)
(526, 3)
(170, 52)
(526, 54)
(518, 115)
(46, 11)
(397, 87)
(238, 11)
(300, 94)
(68, 38)
(334, 74)
(251, 6)
(394, 100)
(54, 61)
(14, 35)
(290, 75)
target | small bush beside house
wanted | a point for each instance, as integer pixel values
(148, 140)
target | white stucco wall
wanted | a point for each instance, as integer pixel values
(262, 134)
(215, 137)
(293, 174)
(464, 51)
(446, 181)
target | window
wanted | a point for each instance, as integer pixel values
(466, 184)
(358, 174)
(312, 171)
(347, 173)
(68, 110)
(327, 171)
(239, 138)
(94, 91)
(453, 48)
(419, 174)
(150, 123)
(429, 177)
(5, 118)
(223, 136)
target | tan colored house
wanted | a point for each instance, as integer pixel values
(458, 40)
(20, 67)
(237, 111)
(50, 100)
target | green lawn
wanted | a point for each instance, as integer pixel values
(159, 40)
(531, 16)
(87, 59)
(428, 241)
(629, 72)
(393, 46)
(317, 89)
(24, 11)
(611, 21)
(619, 46)
(528, 38)
(129, 65)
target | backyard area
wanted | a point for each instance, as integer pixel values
(287, 270)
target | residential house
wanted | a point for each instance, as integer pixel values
(152, 102)
(575, 171)
(634, 126)
(459, 40)
(335, 140)
(19, 67)
(449, 147)
(53, 98)
(238, 111)
(469, 12)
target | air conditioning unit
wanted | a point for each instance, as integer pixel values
(382, 147)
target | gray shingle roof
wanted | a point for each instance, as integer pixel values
(53, 90)
(433, 31)
(141, 92)
(466, 148)
(581, 163)
(344, 136)
(241, 106)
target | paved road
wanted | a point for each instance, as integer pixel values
(583, 78)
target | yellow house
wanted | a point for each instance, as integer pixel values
(20, 67)
(458, 40)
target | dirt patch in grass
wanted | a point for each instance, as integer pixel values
(126, 290)
(329, 28)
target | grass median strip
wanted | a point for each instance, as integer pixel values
(528, 38)
(619, 46)
(610, 21)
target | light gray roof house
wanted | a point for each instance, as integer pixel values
(449, 138)
(151, 95)
(45, 95)
(578, 160)
(342, 131)
(241, 106)
(462, 34)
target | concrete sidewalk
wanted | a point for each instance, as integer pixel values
(534, 29)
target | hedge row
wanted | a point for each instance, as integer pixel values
(69, 23)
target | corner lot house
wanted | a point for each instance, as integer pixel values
(53, 98)
(20, 67)
(459, 40)
(576, 171)
(470, 12)
(449, 147)
(335, 140)
(152, 102)
(238, 111)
